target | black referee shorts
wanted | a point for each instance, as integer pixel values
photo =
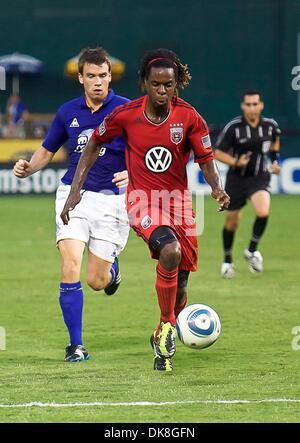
(240, 189)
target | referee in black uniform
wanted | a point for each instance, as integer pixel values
(250, 145)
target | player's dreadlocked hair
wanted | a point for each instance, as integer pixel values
(94, 56)
(165, 58)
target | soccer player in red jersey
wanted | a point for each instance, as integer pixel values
(161, 131)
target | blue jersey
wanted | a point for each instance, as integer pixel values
(73, 126)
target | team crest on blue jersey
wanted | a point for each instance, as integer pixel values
(83, 139)
(176, 134)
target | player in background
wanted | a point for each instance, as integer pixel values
(100, 221)
(247, 144)
(162, 130)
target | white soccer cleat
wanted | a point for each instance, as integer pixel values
(254, 260)
(227, 270)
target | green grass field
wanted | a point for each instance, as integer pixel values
(253, 360)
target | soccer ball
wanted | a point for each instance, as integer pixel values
(198, 326)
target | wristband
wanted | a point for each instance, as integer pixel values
(274, 156)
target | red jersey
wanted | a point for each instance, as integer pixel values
(157, 153)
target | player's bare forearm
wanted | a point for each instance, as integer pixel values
(38, 161)
(275, 156)
(87, 159)
(224, 157)
(275, 146)
(212, 176)
(228, 159)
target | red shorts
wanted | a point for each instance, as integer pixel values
(150, 218)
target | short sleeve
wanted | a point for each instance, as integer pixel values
(57, 134)
(109, 128)
(276, 130)
(199, 140)
(225, 139)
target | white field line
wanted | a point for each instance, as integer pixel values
(148, 403)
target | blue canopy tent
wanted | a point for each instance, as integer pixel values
(18, 64)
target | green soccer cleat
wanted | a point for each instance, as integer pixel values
(166, 340)
(160, 363)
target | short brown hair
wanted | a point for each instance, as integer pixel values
(95, 56)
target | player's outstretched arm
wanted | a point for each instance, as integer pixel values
(87, 159)
(212, 176)
(228, 159)
(224, 157)
(39, 160)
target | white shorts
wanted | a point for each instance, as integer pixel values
(99, 220)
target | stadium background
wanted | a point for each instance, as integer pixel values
(230, 46)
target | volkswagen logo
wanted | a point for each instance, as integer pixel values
(158, 159)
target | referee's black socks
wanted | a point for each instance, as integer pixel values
(228, 237)
(258, 230)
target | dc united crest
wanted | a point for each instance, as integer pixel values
(176, 134)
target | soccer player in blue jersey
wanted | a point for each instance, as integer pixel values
(100, 220)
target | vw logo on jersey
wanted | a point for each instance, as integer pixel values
(158, 159)
(83, 139)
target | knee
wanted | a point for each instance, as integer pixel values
(97, 283)
(232, 224)
(262, 213)
(170, 255)
(71, 267)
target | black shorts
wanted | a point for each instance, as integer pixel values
(240, 189)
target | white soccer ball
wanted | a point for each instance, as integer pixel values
(198, 326)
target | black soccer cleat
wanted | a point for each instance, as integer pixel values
(113, 287)
(76, 353)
